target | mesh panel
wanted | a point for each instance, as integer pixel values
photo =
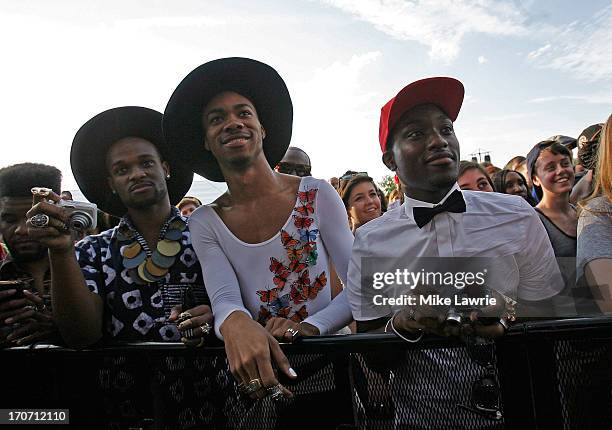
(584, 376)
(417, 389)
(395, 387)
(314, 390)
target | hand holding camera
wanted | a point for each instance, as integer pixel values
(454, 315)
(56, 222)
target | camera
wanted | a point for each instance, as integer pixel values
(82, 215)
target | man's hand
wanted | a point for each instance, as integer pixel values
(55, 235)
(9, 305)
(34, 322)
(433, 320)
(195, 325)
(252, 351)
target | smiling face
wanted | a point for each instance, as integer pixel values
(363, 204)
(554, 173)
(515, 185)
(424, 153)
(233, 132)
(14, 231)
(137, 173)
(475, 180)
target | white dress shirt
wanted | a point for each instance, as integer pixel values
(499, 226)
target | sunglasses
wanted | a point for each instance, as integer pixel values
(352, 175)
(485, 395)
(293, 169)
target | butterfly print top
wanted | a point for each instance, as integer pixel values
(287, 275)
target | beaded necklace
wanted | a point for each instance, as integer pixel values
(146, 266)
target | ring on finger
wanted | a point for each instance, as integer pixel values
(253, 386)
(293, 332)
(41, 191)
(185, 315)
(205, 328)
(190, 333)
(276, 392)
(39, 220)
(31, 308)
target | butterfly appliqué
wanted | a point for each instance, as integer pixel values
(301, 251)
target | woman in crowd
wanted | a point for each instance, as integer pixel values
(361, 199)
(519, 164)
(472, 176)
(594, 253)
(512, 182)
(552, 173)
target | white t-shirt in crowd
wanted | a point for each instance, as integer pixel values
(494, 225)
(288, 274)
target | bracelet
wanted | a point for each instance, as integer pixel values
(397, 333)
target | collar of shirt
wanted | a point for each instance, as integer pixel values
(410, 204)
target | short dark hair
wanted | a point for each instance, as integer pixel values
(295, 148)
(18, 180)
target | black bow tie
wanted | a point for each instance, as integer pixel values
(454, 203)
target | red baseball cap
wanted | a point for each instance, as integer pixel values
(447, 93)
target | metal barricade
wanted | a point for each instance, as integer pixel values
(550, 374)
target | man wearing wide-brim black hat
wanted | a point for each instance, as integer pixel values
(128, 283)
(265, 245)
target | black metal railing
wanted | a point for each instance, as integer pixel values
(550, 374)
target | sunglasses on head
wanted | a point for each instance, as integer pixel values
(352, 175)
(293, 169)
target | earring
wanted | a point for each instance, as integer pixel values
(114, 192)
(167, 176)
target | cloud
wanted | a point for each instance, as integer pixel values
(597, 98)
(581, 49)
(333, 112)
(482, 60)
(538, 52)
(440, 25)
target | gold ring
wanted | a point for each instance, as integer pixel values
(185, 315)
(253, 386)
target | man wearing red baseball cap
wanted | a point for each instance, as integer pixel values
(389, 275)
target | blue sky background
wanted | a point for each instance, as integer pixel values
(531, 69)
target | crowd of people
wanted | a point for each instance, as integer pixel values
(281, 254)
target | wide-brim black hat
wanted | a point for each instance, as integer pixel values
(94, 138)
(257, 81)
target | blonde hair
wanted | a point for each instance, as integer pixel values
(603, 172)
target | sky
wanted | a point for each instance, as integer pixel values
(531, 69)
